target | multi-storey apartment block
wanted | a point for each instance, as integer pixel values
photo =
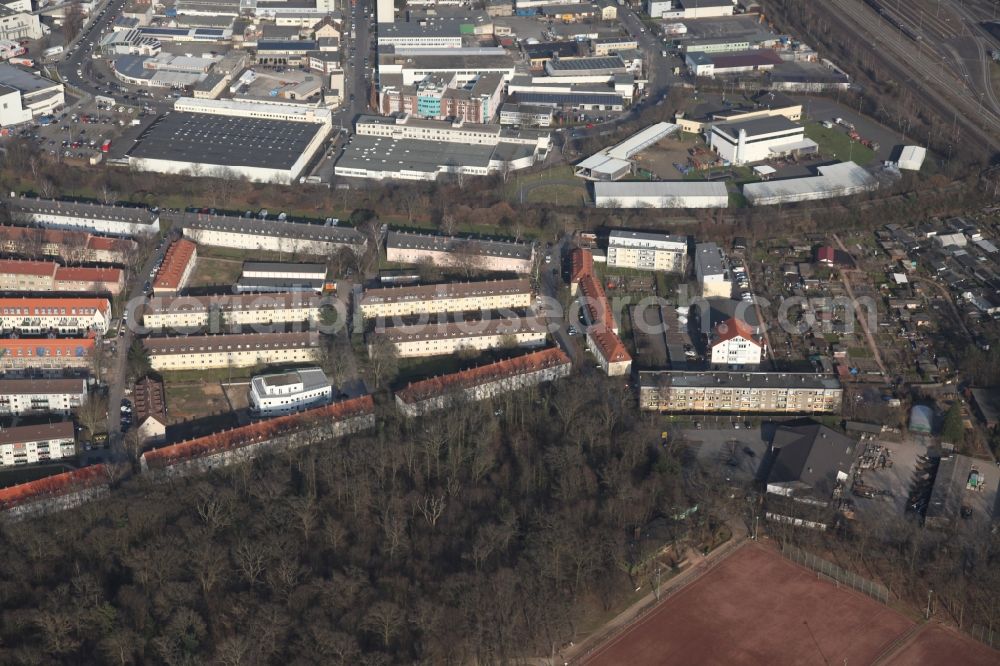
(196, 312)
(46, 355)
(70, 246)
(647, 252)
(97, 218)
(244, 233)
(23, 445)
(483, 382)
(434, 339)
(447, 297)
(41, 396)
(739, 392)
(195, 352)
(714, 277)
(734, 347)
(64, 316)
(288, 392)
(474, 253)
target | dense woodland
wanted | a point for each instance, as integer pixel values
(479, 535)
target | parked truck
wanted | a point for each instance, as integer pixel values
(53, 51)
(106, 146)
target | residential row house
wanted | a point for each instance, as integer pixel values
(67, 246)
(281, 236)
(242, 444)
(31, 444)
(458, 252)
(483, 382)
(436, 339)
(19, 397)
(447, 297)
(55, 493)
(602, 327)
(48, 355)
(95, 218)
(175, 271)
(63, 316)
(192, 313)
(198, 352)
(47, 276)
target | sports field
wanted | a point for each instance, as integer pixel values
(935, 644)
(756, 607)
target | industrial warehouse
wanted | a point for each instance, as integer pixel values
(252, 143)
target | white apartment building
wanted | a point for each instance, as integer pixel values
(758, 139)
(65, 316)
(288, 392)
(16, 25)
(197, 352)
(734, 347)
(646, 251)
(724, 392)
(714, 278)
(96, 218)
(196, 312)
(26, 445)
(447, 297)
(40, 396)
(436, 339)
(292, 238)
(487, 255)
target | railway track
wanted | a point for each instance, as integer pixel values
(913, 61)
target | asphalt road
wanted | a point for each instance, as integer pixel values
(119, 366)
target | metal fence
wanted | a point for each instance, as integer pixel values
(986, 635)
(876, 591)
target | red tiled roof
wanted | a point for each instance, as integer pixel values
(70, 239)
(109, 244)
(609, 345)
(95, 275)
(733, 328)
(53, 486)
(175, 262)
(826, 253)
(596, 302)
(27, 348)
(18, 267)
(30, 306)
(520, 365)
(581, 263)
(257, 432)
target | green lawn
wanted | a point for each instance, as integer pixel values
(835, 143)
(209, 272)
(559, 195)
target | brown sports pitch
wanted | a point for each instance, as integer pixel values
(756, 607)
(937, 645)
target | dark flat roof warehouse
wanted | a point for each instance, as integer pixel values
(224, 140)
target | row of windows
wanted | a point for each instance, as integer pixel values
(48, 311)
